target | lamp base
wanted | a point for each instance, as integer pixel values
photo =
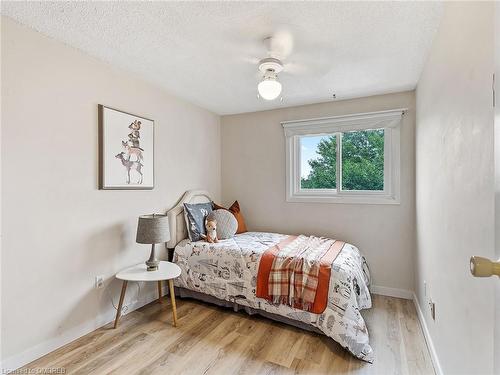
(152, 263)
(152, 267)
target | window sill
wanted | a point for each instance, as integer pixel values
(343, 199)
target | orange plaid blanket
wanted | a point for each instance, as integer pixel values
(296, 272)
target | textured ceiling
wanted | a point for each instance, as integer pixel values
(206, 52)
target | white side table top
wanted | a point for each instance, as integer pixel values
(166, 271)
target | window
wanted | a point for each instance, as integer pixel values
(345, 159)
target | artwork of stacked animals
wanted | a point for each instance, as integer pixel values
(131, 156)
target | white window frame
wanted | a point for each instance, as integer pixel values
(390, 121)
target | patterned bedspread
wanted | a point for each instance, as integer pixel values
(228, 270)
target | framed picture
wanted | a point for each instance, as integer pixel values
(126, 150)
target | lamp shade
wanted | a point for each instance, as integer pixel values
(152, 229)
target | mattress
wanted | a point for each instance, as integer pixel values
(228, 271)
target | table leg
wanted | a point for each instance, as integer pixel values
(120, 304)
(172, 300)
(159, 291)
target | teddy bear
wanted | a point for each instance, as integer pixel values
(211, 227)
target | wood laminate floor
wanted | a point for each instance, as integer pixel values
(213, 340)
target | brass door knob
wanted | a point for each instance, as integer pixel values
(483, 267)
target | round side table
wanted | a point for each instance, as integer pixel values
(166, 271)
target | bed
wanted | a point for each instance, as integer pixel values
(225, 274)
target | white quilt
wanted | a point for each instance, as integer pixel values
(228, 270)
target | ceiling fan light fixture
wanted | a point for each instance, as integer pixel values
(269, 88)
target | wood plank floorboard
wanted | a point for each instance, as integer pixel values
(217, 341)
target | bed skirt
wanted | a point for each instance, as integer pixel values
(187, 293)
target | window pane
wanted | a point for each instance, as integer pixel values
(318, 162)
(363, 160)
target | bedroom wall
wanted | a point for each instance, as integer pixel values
(59, 230)
(497, 182)
(253, 171)
(455, 188)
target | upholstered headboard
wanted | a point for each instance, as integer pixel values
(176, 222)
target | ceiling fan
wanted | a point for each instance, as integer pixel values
(279, 46)
(309, 61)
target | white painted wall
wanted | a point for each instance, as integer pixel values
(59, 230)
(1, 226)
(455, 194)
(497, 183)
(253, 171)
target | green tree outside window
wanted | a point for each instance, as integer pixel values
(362, 162)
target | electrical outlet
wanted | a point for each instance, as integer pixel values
(432, 306)
(99, 282)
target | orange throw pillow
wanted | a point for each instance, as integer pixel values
(235, 210)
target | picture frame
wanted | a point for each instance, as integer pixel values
(126, 150)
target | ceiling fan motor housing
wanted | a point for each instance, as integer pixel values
(270, 65)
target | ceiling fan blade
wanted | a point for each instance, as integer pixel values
(306, 65)
(251, 60)
(281, 44)
(295, 68)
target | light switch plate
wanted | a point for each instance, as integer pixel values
(99, 282)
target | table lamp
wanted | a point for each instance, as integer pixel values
(152, 229)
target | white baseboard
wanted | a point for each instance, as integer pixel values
(391, 292)
(428, 338)
(18, 360)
